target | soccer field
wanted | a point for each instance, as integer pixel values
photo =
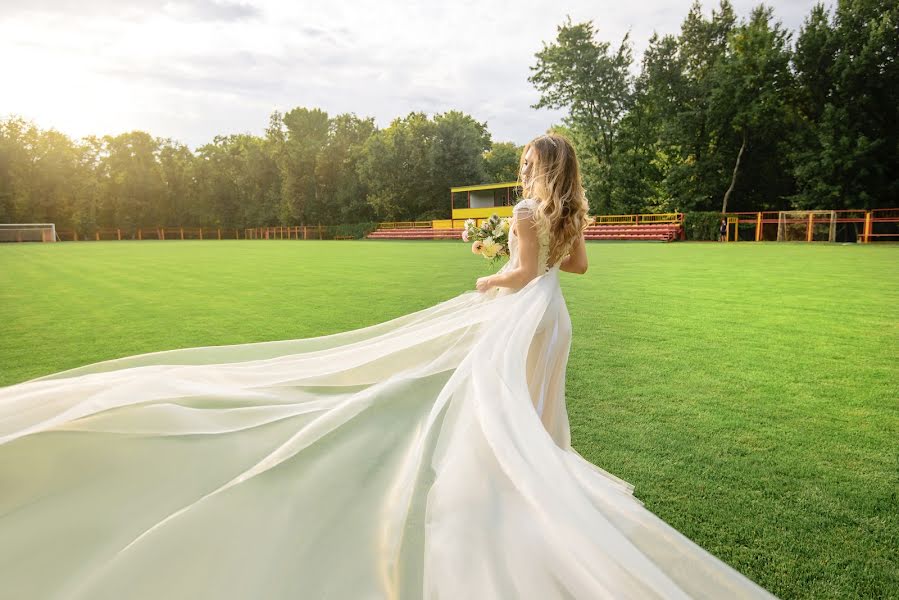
(749, 391)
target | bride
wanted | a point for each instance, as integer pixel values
(427, 456)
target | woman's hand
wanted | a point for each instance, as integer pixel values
(484, 283)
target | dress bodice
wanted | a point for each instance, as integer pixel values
(523, 209)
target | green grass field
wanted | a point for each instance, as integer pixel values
(749, 391)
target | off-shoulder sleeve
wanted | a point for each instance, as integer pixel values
(524, 209)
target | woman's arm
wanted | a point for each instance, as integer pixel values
(528, 248)
(576, 261)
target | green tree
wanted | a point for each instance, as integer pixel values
(396, 168)
(847, 153)
(340, 196)
(218, 168)
(135, 186)
(752, 96)
(13, 160)
(456, 158)
(89, 186)
(178, 205)
(501, 162)
(582, 74)
(306, 134)
(697, 173)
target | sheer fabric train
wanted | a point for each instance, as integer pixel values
(427, 456)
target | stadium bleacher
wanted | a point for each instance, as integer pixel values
(663, 232)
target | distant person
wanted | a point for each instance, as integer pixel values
(722, 230)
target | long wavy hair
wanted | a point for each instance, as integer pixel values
(555, 182)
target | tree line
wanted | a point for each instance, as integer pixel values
(308, 168)
(734, 115)
(727, 115)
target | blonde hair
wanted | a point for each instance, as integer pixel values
(555, 182)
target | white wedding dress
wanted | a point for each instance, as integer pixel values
(423, 457)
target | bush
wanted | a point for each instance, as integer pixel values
(702, 225)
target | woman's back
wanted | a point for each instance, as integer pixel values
(524, 209)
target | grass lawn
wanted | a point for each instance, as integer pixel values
(749, 391)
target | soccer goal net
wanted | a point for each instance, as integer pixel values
(806, 226)
(27, 232)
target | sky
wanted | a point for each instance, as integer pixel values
(193, 69)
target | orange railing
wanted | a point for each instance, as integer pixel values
(640, 219)
(405, 225)
(150, 233)
(296, 232)
(867, 218)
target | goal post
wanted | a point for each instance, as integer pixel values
(807, 226)
(28, 232)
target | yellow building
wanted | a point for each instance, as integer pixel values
(479, 202)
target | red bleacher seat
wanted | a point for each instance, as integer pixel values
(664, 232)
(416, 234)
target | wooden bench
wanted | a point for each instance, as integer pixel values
(344, 237)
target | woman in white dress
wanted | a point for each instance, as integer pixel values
(427, 456)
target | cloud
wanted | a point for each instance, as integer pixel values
(186, 10)
(191, 69)
(211, 10)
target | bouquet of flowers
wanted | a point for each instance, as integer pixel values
(491, 239)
